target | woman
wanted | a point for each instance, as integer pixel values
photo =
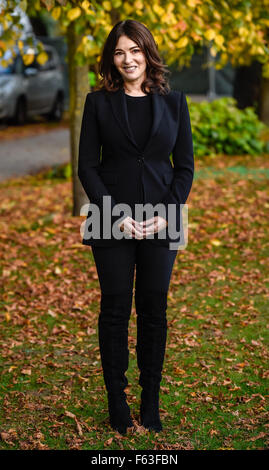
(136, 122)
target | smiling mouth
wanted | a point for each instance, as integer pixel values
(130, 69)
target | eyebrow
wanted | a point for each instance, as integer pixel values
(133, 47)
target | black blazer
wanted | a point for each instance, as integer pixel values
(111, 163)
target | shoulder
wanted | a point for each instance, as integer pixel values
(180, 98)
(174, 96)
(174, 100)
(94, 97)
(97, 93)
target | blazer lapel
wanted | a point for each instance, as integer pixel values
(119, 108)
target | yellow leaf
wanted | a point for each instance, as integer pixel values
(7, 316)
(107, 6)
(236, 14)
(42, 58)
(159, 10)
(37, 5)
(174, 34)
(23, 5)
(74, 13)
(213, 51)
(224, 58)
(82, 379)
(128, 9)
(177, 370)
(69, 414)
(243, 31)
(265, 21)
(5, 272)
(210, 34)
(85, 5)
(215, 242)
(182, 42)
(260, 50)
(219, 39)
(138, 5)
(20, 45)
(85, 40)
(56, 13)
(28, 58)
(116, 3)
(192, 3)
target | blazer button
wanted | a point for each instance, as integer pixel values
(141, 160)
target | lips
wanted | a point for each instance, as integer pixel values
(130, 69)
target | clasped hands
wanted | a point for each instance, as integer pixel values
(140, 230)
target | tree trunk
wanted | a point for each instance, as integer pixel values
(78, 89)
(264, 103)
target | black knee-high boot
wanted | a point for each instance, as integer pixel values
(150, 349)
(113, 342)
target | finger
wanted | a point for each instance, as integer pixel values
(135, 233)
(152, 229)
(137, 226)
(148, 232)
(149, 221)
(138, 234)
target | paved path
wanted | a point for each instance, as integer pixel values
(28, 155)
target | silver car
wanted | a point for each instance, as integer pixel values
(32, 90)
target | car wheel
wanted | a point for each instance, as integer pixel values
(56, 113)
(20, 112)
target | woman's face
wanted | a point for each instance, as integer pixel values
(130, 60)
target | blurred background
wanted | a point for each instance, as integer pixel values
(50, 51)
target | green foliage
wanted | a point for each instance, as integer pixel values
(219, 127)
(92, 78)
(63, 171)
(235, 31)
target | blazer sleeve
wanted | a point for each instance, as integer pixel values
(89, 157)
(182, 156)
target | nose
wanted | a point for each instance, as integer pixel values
(127, 59)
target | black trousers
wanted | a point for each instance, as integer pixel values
(116, 266)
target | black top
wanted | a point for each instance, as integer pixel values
(140, 117)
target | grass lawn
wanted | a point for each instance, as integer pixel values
(213, 392)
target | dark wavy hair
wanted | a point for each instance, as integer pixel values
(112, 80)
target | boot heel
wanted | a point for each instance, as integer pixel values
(149, 411)
(119, 413)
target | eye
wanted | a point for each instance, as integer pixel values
(135, 50)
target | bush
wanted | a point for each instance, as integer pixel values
(219, 127)
(63, 171)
